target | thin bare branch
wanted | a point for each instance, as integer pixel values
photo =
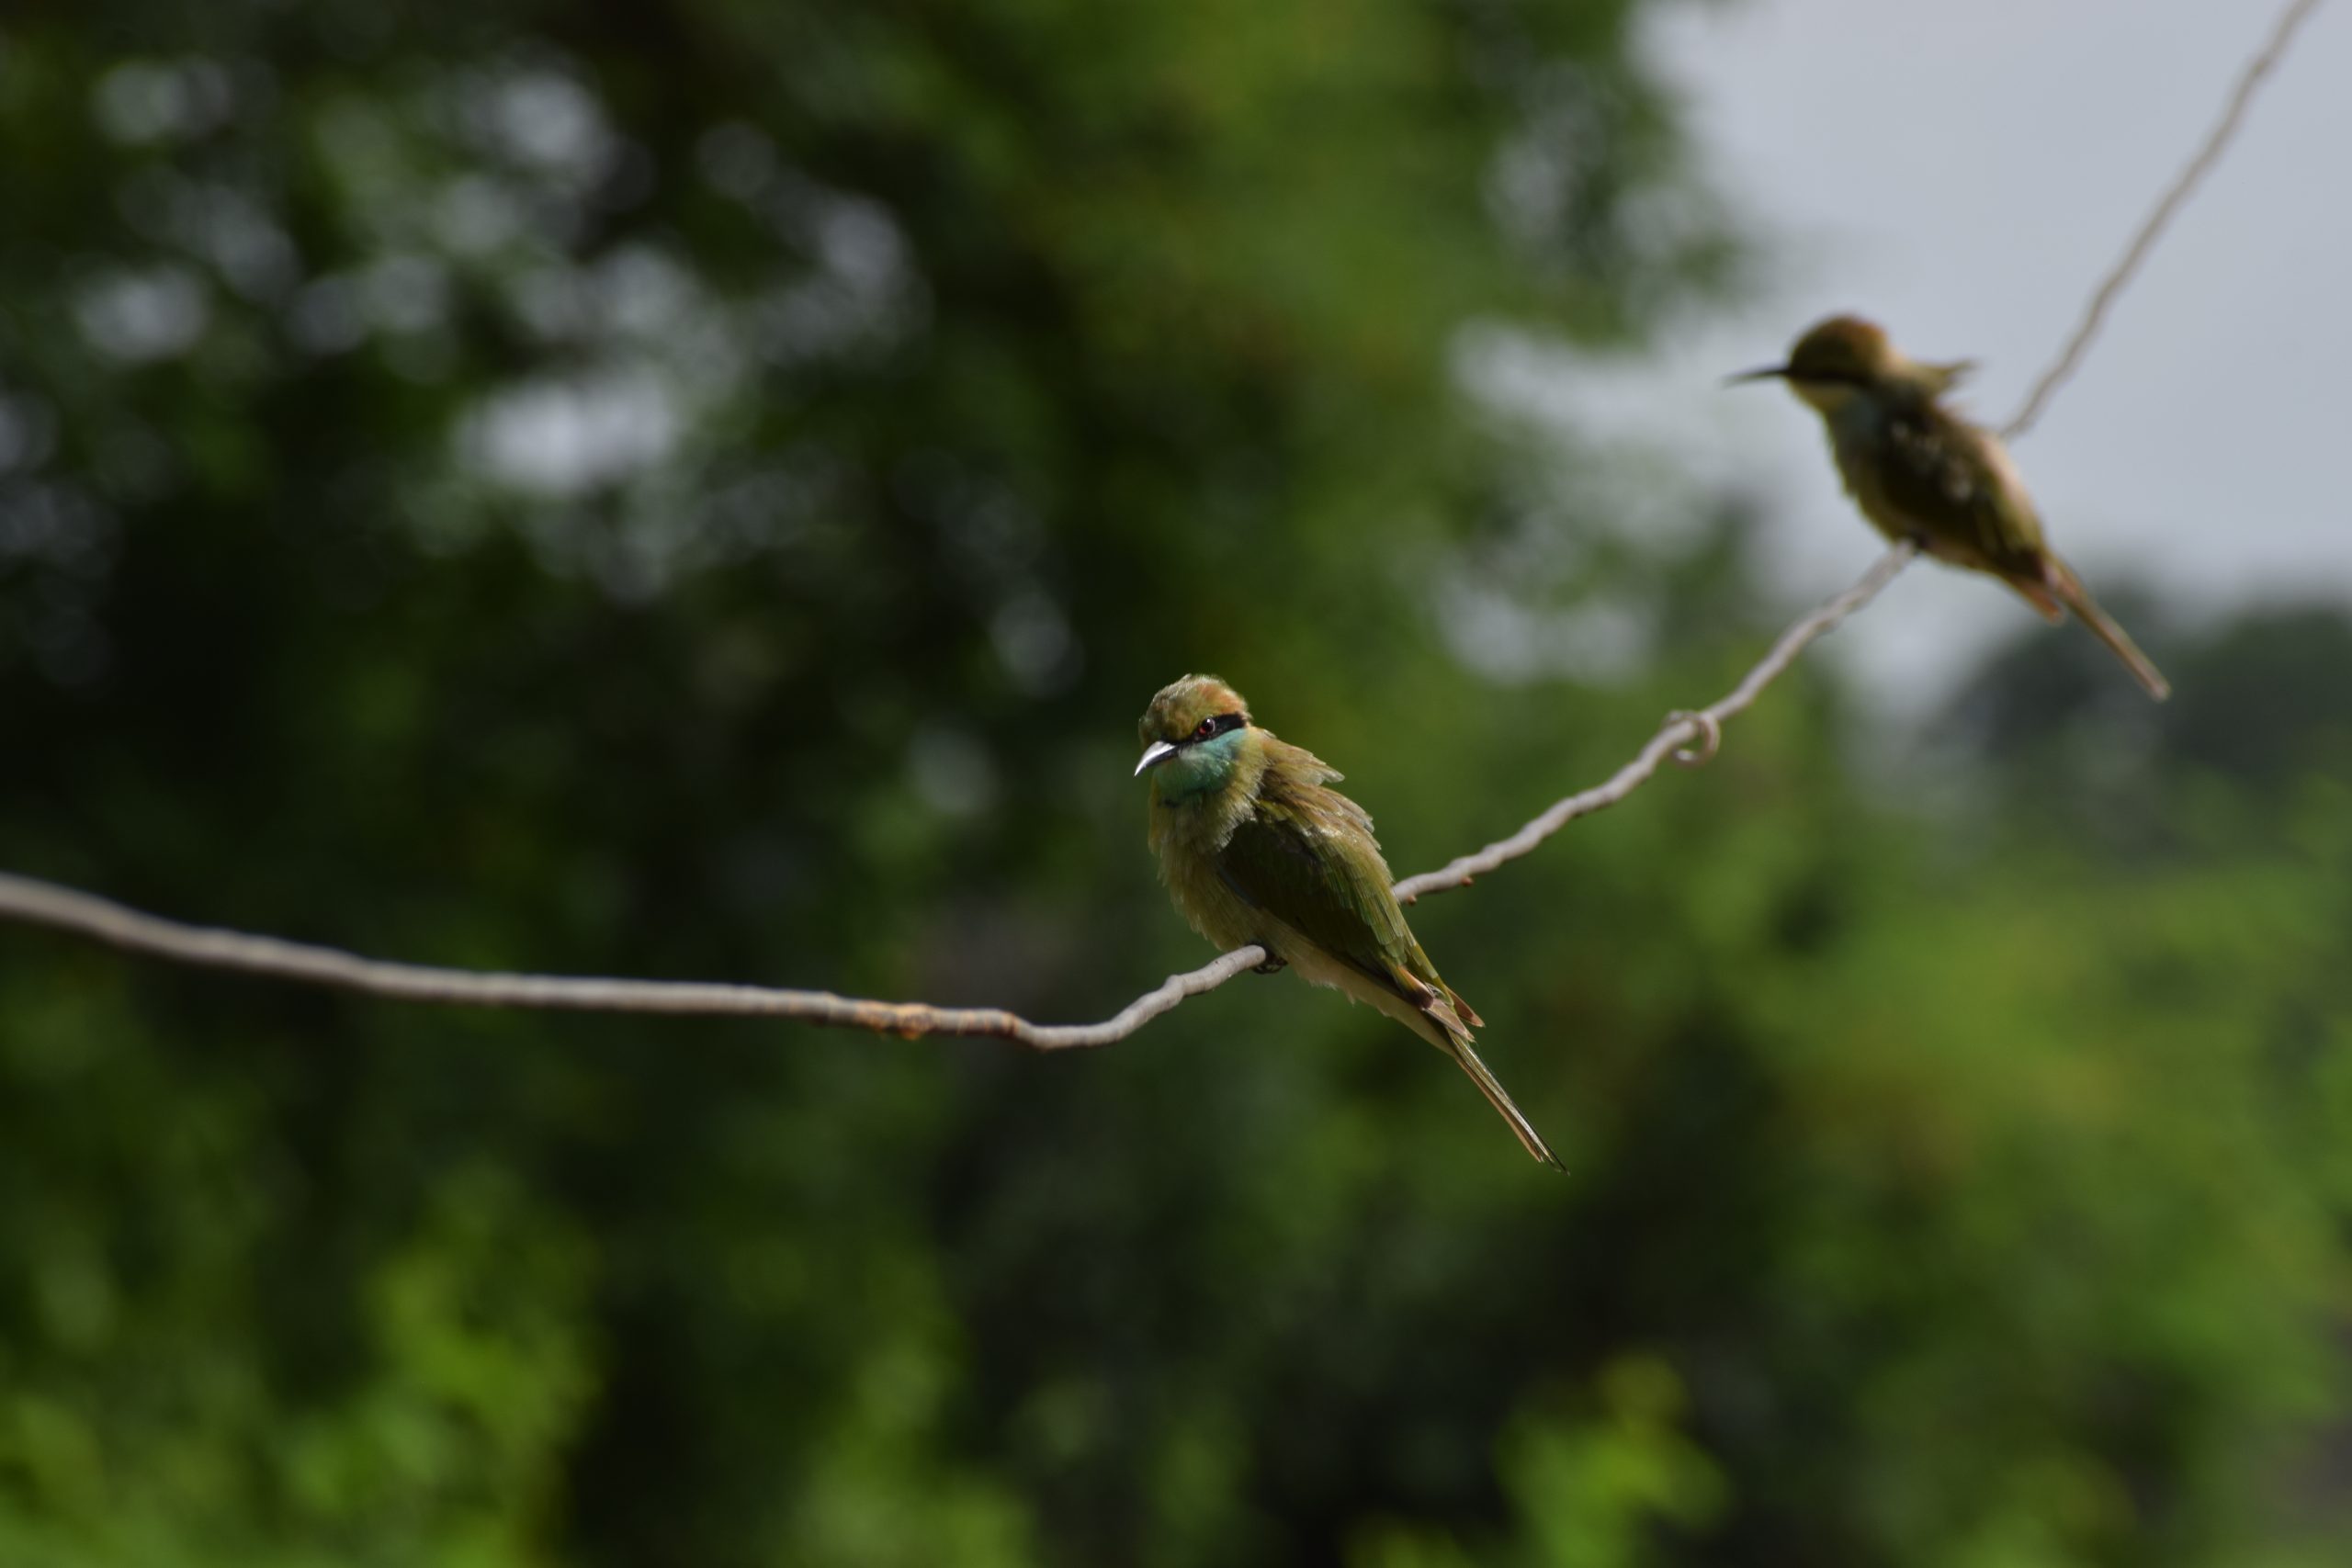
(40, 903)
(2216, 141)
(1688, 737)
(67, 910)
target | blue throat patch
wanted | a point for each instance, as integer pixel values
(1198, 769)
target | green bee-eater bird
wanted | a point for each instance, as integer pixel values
(1921, 472)
(1256, 847)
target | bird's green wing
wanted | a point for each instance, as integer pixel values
(1957, 483)
(1306, 856)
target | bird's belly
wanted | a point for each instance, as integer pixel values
(1207, 902)
(1935, 536)
(1870, 500)
(1227, 921)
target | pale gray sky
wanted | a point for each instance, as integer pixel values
(1965, 173)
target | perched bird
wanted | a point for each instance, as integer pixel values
(1921, 472)
(1256, 847)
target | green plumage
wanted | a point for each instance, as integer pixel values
(1256, 847)
(1921, 473)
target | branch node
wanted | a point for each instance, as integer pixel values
(1710, 738)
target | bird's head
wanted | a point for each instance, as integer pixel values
(1195, 735)
(1846, 356)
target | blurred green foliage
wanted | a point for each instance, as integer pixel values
(698, 488)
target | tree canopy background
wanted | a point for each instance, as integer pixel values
(702, 489)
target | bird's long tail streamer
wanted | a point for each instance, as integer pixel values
(1500, 1098)
(2077, 598)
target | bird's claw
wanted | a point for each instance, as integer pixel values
(1271, 967)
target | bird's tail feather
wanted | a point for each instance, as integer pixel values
(1445, 1020)
(2077, 598)
(1496, 1096)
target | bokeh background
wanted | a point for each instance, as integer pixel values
(701, 489)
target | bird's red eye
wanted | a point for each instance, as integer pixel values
(1206, 728)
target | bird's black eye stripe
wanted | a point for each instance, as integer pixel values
(1210, 728)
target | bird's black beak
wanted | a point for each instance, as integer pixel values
(1761, 373)
(1157, 752)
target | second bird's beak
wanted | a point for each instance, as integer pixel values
(1153, 753)
(1761, 373)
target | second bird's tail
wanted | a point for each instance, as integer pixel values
(2070, 592)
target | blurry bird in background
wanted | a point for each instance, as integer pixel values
(1256, 848)
(1923, 474)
